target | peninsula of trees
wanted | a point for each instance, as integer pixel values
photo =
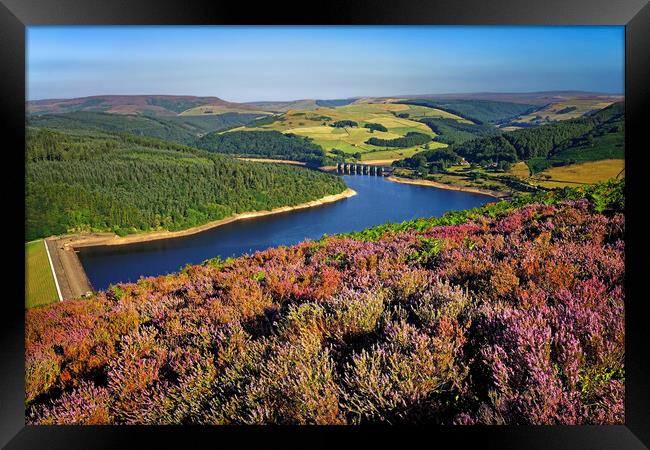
(94, 181)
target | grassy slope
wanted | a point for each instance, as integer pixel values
(39, 282)
(315, 124)
(583, 173)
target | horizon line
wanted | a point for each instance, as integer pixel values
(336, 98)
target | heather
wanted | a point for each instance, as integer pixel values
(508, 314)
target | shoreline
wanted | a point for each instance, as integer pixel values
(275, 161)
(68, 266)
(452, 187)
(110, 239)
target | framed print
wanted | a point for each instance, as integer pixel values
(376, 221)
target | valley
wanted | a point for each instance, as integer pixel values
(327, 225)
(442, 142)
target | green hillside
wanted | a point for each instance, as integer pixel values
(477, 110)
(598, 133)
(267, 144)
(122, 183)
(568, 145)
(450, 131)
(183, 129)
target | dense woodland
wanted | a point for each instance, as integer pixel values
(411, 139)
(183, 129)
(122, 183)
(545, 139)
(451, 131)
(268, 144)
(596, 136)
(479, 111)
(433, 160)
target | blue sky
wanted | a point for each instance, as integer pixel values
(288, 63)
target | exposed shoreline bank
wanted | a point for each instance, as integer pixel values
(275, 161)
(451, 187)
(113, 239)
(73, 272)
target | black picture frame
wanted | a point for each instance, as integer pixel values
(15, 15)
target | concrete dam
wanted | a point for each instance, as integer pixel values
(363, 169)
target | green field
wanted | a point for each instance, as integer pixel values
(39, 282)
(316, 124)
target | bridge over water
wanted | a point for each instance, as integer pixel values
(363, 169)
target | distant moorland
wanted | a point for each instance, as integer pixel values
(512, 142)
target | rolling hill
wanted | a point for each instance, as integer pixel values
(165, 105)
(479, 111)
(183, 129)
(93, 181)
(587, 149)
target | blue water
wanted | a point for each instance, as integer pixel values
(377, 201)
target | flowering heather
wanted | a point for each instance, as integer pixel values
(514, 318)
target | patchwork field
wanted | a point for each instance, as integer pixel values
(39, 282)
(317, 125)
(350, 140)
(392, 154)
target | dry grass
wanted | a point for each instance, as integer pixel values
(585, 173)
(520, 170)
(316, 124)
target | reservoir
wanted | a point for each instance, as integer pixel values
(377, 201)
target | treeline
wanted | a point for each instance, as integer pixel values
(375, 127)
(566, 110)
(432, 160)
(409, 140)
(268, 144)
(451, 131)
(543, 140)
(63, 145)
(126, 184)
(605, 141)
(492, 149)
(480, 111)
(345, 124)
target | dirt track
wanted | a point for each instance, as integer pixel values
(71, 276)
